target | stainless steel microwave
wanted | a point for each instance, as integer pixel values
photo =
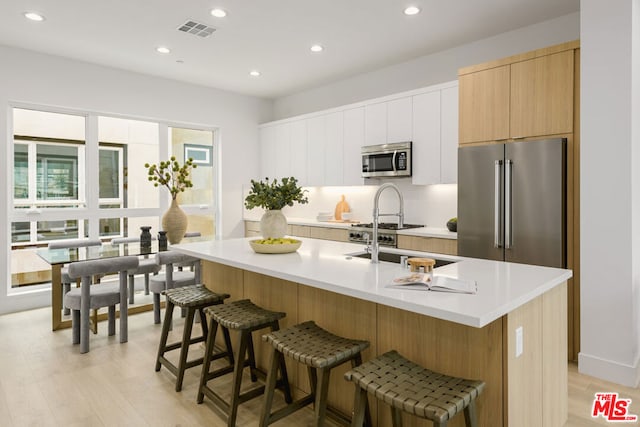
(386, 160)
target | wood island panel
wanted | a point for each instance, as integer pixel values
(428, 244)
(277, 295)
(529, 390)
(449, 348)
(222, 278)
(555, 404)
(345, 316)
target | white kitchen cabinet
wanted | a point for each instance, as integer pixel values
(316, 138)
(399, 120)
(353, 142)
(426, 139)
(324, 149)
(375, 124)
(299, 151)
(449, 135)
(267, 151)
(333, 158)
(283, 150)
(435, 137)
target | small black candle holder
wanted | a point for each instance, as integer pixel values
(162, 240)
(145, 237)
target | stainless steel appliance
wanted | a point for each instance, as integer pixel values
(387, 231)
(512, 202)
(386, 160)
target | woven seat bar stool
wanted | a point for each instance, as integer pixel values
(190, 298)
(245, 317)
(408, 387)
(320, 351)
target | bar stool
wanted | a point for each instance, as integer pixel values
(190, 298)
(159, 283)
(411, 388)
(320, 351)
(245, 317)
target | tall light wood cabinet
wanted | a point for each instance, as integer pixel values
(484, 105)
(524, 96)
(531, 96)
(542, 95)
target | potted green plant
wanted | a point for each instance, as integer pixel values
(177, 178)
(273, 196)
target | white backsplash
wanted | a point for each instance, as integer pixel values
(431, 205)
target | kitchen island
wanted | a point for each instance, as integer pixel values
(464, 335)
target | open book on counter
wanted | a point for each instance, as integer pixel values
(424, 281)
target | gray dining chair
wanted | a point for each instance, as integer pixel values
(70, 244)
(88, 296)
(146, 266)
(171, 279)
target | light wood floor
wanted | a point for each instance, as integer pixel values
(44, 381)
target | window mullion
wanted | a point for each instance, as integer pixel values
(90, 184)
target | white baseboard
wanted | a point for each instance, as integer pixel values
(619, 373)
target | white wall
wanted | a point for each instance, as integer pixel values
(48, 80)
(429, 205)
(610, 191)
(428, 70)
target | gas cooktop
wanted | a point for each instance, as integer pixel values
(388, 226)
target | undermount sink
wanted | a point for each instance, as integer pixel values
(393, 257)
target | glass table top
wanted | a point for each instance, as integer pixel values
(106, 250)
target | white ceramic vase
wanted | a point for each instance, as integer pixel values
(273, 224)
(174, 222)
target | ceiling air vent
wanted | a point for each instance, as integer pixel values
(196, 28)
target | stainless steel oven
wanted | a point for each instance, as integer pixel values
(386, 160)
(387, 233)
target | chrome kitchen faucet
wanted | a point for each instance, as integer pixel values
(375, 247)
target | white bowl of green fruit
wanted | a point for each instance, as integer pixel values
(283, 245)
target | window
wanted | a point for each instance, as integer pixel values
(66, 187)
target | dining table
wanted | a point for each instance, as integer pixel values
(57, 258)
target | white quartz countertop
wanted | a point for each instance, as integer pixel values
(502, 286)
(441, 233)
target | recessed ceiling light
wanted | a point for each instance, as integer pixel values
(412, 10)
(218, 13)
(317, 48)
(162, 49)
(254, 73)
(34, 16)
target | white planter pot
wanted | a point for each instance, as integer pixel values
(273, 224)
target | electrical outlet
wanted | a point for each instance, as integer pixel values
(519, 341)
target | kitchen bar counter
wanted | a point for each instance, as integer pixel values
(502, 287)
(512, 334)
(441, 233)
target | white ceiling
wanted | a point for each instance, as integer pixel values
(272, 36)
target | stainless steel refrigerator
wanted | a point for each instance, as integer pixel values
(512, 202)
